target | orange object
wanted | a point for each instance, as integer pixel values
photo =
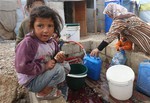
(125, 45)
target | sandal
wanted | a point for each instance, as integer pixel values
(55, 93)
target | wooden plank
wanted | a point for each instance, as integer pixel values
(80, 16)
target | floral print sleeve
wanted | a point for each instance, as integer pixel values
(116, 29)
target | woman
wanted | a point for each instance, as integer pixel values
(128, 25)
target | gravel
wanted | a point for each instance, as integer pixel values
(10, 90)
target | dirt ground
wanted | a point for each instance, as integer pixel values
(10, 91)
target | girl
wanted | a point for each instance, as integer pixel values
(123, 44)
(37, 60)
(128, 25)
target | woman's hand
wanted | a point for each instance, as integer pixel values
(60, 57)
(94, 52)
(50, 64)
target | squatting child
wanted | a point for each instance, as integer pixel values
(38, 61)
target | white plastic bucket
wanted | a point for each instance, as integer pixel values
(120, 80)
(71, 32)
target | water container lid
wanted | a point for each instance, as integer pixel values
(120, 74)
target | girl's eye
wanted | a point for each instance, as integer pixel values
(50, 25)
(40, 25)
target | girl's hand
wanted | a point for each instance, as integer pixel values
(60, 57)
(50, 64)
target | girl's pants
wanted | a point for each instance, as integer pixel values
(48, 78)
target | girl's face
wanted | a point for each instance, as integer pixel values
(43, 28)
(123, 39)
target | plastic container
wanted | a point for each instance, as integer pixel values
(120, 80)
(71, 32)
(76, 77)
(108, 20)
(119, 58)
(143, 81)
(94, 66)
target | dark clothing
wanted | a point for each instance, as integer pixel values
(23, 30)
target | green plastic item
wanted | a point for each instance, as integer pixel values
(76, 78)
(72, 24)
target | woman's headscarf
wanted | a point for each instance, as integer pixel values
(114, 10)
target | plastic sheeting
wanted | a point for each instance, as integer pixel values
(20, 15)
(144, 1)
(144, 14)
(119, 58)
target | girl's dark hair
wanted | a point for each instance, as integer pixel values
(46, 12)
(30, 2)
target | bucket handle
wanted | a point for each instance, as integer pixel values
(79, 44)
(76, 76)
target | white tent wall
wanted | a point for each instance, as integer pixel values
(58, 7)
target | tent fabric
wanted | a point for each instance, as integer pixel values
(8, 18)
(5, 35)
(8, 5)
